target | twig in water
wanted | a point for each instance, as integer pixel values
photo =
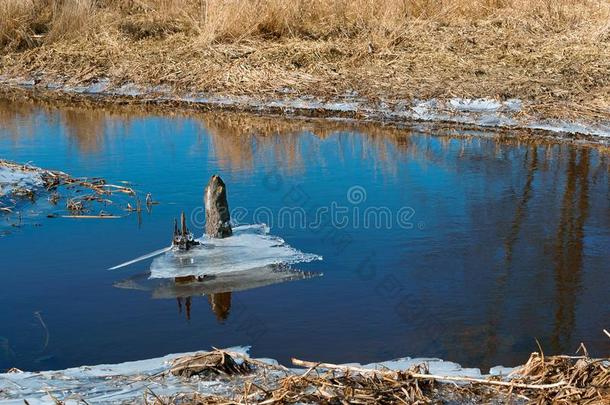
(38, 315)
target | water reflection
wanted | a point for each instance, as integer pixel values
(87, 128)
(218, 289)
(569, 246)
(220, 304)
(186, 302)
(521, 210)
(514, 245)
(239, 140)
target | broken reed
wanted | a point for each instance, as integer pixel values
(543, 379)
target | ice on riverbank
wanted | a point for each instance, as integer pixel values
(106, 383)
(128, 382)
(13, 179)
(481, 112)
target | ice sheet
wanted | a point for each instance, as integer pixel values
(11, 178)
(127, 382)
(107, 383)
(250, 247)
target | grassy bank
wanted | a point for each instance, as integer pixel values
(555, 54)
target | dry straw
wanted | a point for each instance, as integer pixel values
(544, 379)
(553, 53)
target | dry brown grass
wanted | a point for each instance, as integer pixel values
(234, 20)
(543, 380)
(16, 22)
(555, 53)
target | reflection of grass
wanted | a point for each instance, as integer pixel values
(238, 140)
(553, 52)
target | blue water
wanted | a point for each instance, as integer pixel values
(481, 246)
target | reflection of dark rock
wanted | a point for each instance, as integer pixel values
(187, 304)
(218, 288)
(220, 303)
(217, 215)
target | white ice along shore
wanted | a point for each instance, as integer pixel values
(483, 112)
(128, 382)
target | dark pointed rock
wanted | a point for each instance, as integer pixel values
(217, 217)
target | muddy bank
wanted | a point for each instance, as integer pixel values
(232, 376)
(455, 113)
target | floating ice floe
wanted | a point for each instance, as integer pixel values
(250, 247)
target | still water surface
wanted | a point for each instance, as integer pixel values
(471, 247)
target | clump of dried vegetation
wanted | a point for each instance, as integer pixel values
(554, 53)
(86, 191)
(544, 379)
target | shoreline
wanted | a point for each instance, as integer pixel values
(231, 376)
(128, 381)
(482, 115)
(521, 65)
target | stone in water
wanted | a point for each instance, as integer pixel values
(217, 217)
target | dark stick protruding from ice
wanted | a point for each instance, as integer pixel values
(217, 217)
(183, 239)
